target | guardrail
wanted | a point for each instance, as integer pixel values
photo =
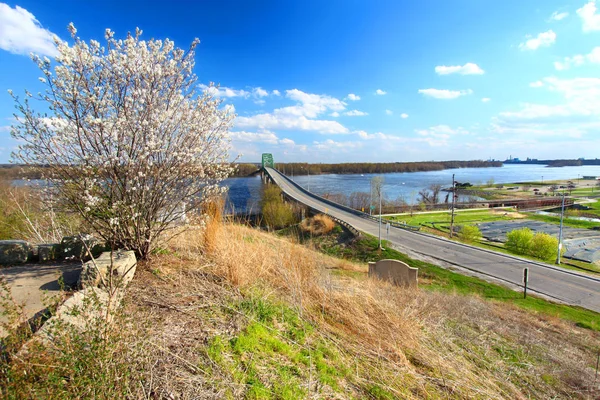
(343, 207)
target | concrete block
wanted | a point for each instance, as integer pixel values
(14, 252)
(397, 272)
(97, 272)
(88, 309)
(49, 251)
(76, 247)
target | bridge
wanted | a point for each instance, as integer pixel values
(560, 284)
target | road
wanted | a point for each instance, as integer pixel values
(563, 285)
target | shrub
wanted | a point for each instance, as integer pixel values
(469, 233)
(318, 225)
(544, 246)
(540, 245)
(276, 213)
(519, 241)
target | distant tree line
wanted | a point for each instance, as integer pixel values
(15, 171)
(379, 168)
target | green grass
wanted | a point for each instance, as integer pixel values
(273, 354)
(461, 217)
(436, 278)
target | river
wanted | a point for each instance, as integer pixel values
(244, 193)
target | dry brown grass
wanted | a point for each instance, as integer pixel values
(320, 224)
(408, 343)
(411, 341)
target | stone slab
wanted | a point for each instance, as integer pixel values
(120, 266)
(76, 247)
(14, 252)
(49, 252)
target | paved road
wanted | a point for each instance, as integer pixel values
(33, 285)
(566, 286)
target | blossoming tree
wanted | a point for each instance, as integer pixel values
(129, 143)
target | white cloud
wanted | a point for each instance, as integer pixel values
(591, 20)
(334, 114)
(260, 102)
(380, 92)
(404, 115)
(259, 92)
(442, 131)
(290, 122)
(22, 33)
(543, 39)
(287, 142)
(536, 84)
(486, 100)
(339, 146)
(353, 97)
(467, 69)
(314, 104)
(223, 91)
(444, 93)
(230, 108)
(389, 112)
(356, 113)
(300, 116)
(579, 59)
(581, 103)
(556, 16)
(377, 135)
(276, 92)
(252, 137)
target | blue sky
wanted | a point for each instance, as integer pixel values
(335, 81)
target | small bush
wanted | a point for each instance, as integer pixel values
(276, 213)
(540, 245)
(318, 225)
(519, 241)
(469, 233)
(544, 246)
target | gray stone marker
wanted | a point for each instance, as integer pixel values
(14, 252)
(394, 271)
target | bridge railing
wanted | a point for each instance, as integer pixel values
(343, 207)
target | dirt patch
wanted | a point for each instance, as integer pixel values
(510, 214)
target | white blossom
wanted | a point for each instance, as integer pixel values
(129, 140)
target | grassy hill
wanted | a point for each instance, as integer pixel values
(232, 312)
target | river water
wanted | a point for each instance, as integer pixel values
(244, 193)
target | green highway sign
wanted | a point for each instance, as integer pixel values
(267, 160)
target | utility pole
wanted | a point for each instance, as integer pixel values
(562, 213)
(453, 204)
(308, 170)
(380, 216)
